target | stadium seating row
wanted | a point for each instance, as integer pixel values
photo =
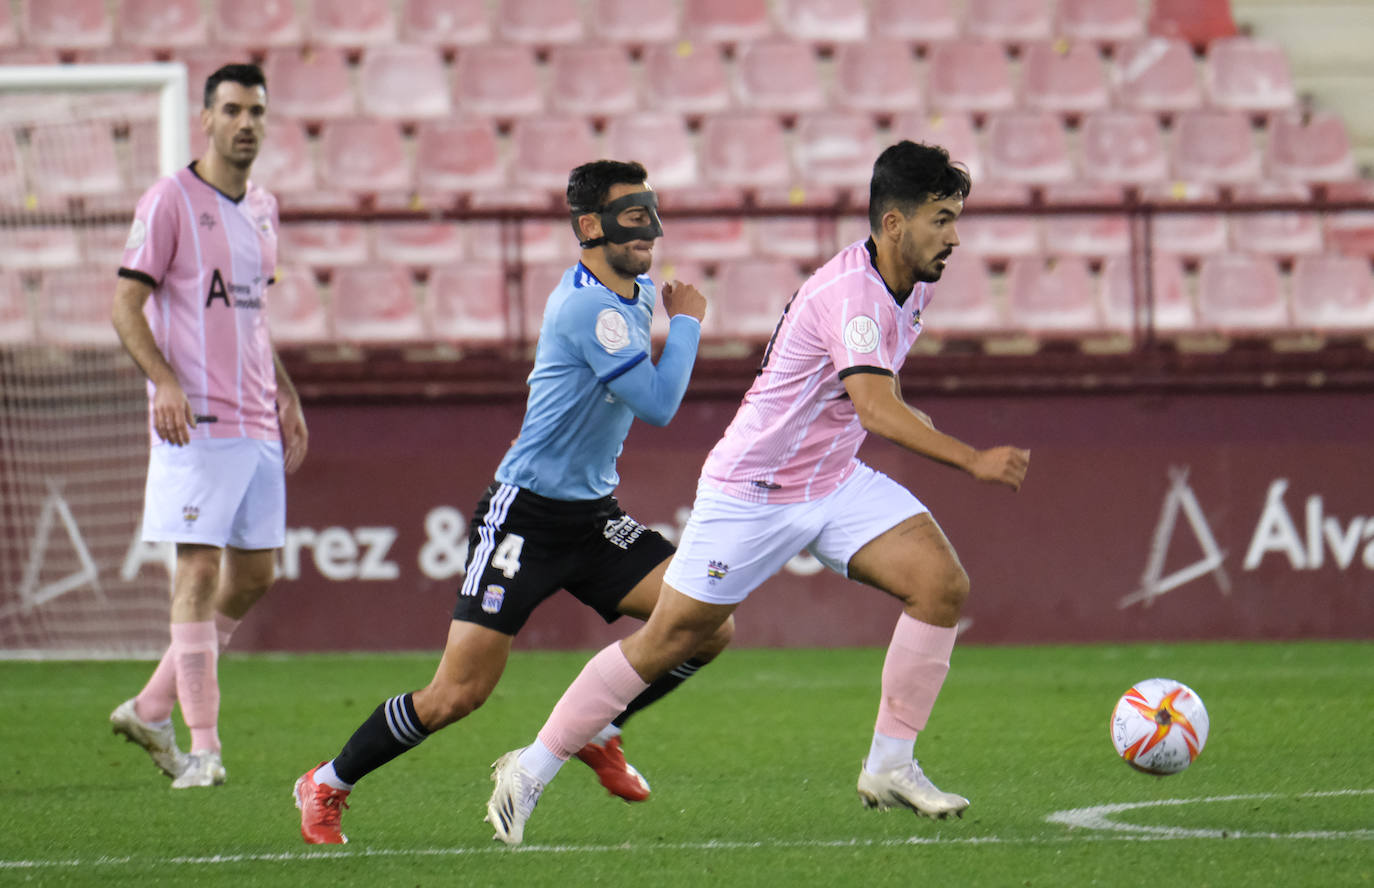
(1231, 294)
(163, 24)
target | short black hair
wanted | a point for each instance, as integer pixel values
(908, 174)
(244, 74)
(589, 184)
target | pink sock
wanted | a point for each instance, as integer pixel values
(915, 668)
(600, 692)
(196, 648)
(224, 627)
(154, 703)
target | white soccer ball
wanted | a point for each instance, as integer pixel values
(1159, 726)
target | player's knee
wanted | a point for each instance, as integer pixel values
(442, 705)
(952, 590)
(719, 640)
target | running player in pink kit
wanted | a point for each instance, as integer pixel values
(786, 477)
(225, 420)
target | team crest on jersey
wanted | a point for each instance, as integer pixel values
(612, 330)
(207, 221)
(861, 334)
(138, 234)
(716, 571)
(493, 598)
(189, 514)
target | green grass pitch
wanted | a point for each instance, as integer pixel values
(752, 764)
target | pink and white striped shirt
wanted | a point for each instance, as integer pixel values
(796, 436)
(209, 259)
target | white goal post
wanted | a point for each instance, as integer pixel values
(75, 580)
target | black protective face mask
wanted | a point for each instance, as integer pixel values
(615, 233)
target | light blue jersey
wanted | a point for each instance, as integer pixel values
(592, 376)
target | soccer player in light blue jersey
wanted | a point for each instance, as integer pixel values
(550, 522)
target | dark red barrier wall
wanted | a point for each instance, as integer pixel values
(1281, 483)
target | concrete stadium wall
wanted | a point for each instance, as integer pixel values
(1275, 487)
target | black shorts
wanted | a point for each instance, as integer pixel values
(523, 547)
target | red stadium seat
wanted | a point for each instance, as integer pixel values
(1062, 77)
(726, 21)
(706, 239)
(324, 244)
(1052, 297)
(592, 79)
(1284, 233)
(546, 148)
(1240, 293)
(750, 295)
(312, 85)
(685, 79)
(998, 235)
(536, 285)
(295, 312)
(779, 76)
(351, 23)
(457, 155)
(363, 156)
(789, 237)
(539, 22)
(74, 306)
(468, 302)
(1310, 149)
(917, 22)
(255, 24)
(15, 324)
(744, 150)
(953, 132)
(1103, 22)
(1333, 294)
(1187, 234)
(834, 148)
(1090, 234)
(877, 76)
(284, 165)
(1123, 147)
(1028, 147)
(74, 159)
(971, 76)
(163, 24)
(66, 24)
(446, 24)
(1157, 75)
(9, 34)
(541, 241)
(499, 81)
(1008, 21)
(823, 22)
(1249, 75)
(104, 244)
(1168, 307)
(39, 246)
(419, 243)
(12, 187)
(635, 23)
(404, 82)
(1351, 233)
(1215, 147)
(962, 302)
(1198, 22)
(660, 141)
(374, 304)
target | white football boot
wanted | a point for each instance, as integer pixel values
(202, 769)
(160, 742)
(512, 801)
(907, 786)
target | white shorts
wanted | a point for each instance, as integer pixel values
(216, 492)
(730, 546)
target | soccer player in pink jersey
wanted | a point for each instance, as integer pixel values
(786, 477)
(225, 420)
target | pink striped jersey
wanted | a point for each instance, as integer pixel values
(209, 259)
(796, 435)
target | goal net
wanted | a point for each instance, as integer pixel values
(78, 144)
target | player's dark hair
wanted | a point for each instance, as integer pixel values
(589, 184)
(244, 75)
(908, 174)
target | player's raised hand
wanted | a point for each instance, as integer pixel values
(680, 298)
(172, 416)
(1001, 465)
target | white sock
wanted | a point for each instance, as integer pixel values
(605, 734)
(539, 761)
(325, 774)
(887, 753)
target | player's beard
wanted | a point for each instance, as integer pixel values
(626, 261)
(931, 271)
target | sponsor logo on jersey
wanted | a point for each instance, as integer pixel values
(623, 531)
(861, 334)
(612, 330)
(493, 598)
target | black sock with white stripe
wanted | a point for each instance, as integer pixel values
(653, 692)
(390, 730)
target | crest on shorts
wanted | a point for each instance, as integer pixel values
(493, 598)
(861, 334)
(716, 570)
(612, 330)
(189, 514)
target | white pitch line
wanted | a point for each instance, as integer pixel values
(1097, 817)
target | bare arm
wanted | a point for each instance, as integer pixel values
(294, 435)
(172, 416)
(882, 412)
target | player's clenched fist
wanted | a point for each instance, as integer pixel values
(680, 298)
(1001, 465)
